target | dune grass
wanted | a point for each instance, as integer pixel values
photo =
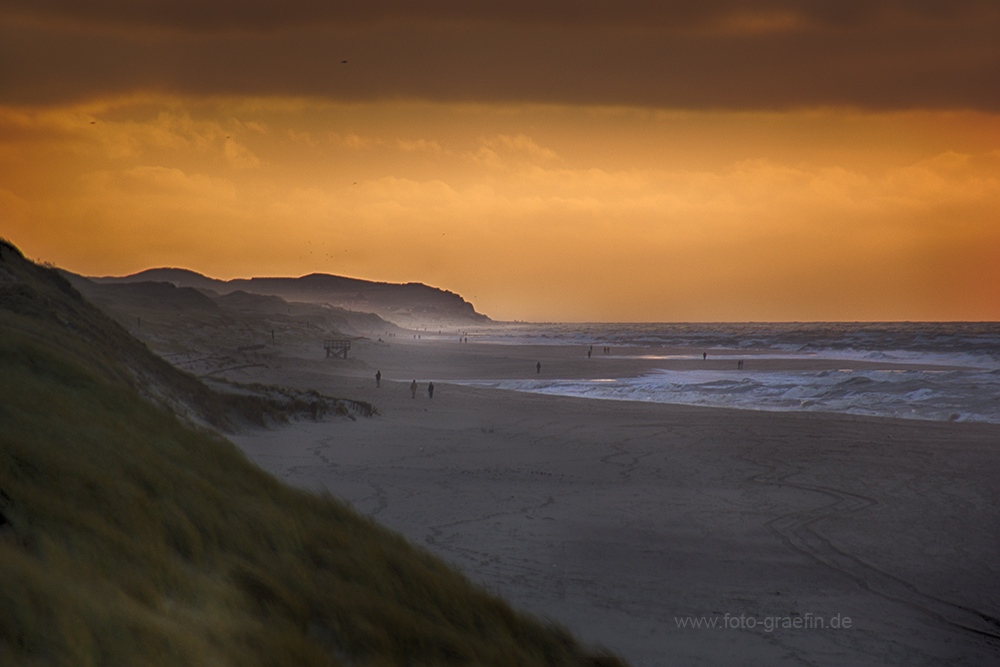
(129, 537)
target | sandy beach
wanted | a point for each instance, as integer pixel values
(634, 523)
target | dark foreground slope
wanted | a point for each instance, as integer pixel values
(128, 537)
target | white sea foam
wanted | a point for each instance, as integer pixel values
(969, 391)
(935, 395)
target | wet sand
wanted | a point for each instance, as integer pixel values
(624, 520)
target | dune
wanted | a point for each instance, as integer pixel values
(412, 304)
(131, 535)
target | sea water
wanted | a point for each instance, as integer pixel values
(965, 387)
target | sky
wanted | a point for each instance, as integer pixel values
(726, 160)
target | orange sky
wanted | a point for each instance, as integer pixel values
(716, 181)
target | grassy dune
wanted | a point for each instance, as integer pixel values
(130, 537)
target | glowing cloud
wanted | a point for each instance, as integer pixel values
(596, 214)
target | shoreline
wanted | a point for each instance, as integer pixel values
(925, 392)
(617, 519)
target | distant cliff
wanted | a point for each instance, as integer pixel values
(405, 304)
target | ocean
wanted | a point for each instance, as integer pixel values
(967, 390)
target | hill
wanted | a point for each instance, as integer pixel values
(202, 331)
(409, 304)
(129, 536)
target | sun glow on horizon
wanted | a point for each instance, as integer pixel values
(532, 212)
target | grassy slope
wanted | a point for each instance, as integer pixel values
(129, 537)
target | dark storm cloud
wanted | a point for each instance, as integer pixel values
(716, 53)
(258, 15)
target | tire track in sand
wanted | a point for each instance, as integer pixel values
(799, 530)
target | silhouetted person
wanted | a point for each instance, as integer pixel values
(430, 390)
(538, 368)
(413, 389)
(704, 355)
(378, 379)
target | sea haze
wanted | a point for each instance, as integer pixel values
(968, 389)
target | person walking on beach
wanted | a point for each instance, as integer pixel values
(704, 356)
(413, 389)
(378, 379)
(538, 368)
(430, 390)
